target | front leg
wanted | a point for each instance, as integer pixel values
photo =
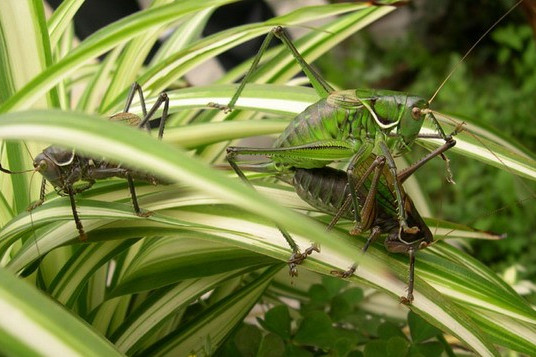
(41, 196)
(134, 198)
(79, 226)
(410, 170)
(401, 212)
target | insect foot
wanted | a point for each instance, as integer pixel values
(34, 205)
(144, 213)
(83, 236)
(297, 258)
(226, 109)
(406, 300)
(344, 274)
(355, 231)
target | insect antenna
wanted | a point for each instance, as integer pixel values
(41, 194)
(519, 202)
(4, 170)
(471, 50)
(458, 125)
(477, 138)
(31, 215)
(32, 267)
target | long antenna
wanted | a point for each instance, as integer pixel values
(31, 217)
(471, 49)
(4, 170)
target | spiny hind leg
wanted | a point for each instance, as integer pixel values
(367, 211)
(297, 257)
(355, 183)
(319, 84)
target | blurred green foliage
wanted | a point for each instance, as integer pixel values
(332, 323)
(413, 50)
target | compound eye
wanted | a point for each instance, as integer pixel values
(416, 113)
(41, 165)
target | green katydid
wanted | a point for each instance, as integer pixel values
(348, 124)
(344, 125)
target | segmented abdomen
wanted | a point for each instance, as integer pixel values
(325, 189)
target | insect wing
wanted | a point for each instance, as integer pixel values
(345, 99)
(129, 118)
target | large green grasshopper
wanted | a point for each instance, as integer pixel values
(343, 125)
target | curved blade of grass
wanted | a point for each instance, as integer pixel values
(100, 42)
(103, 316)
(506, 332)
(24, 53)
(54, 212)
(129, 63)
(470, 288)
(141, 325)
(61, 230)
(61, 19)
(487, 147)
(32, 324)
(25, 48)
(214, 324)
(172, 259)
(162, 75)
(71, 280)
(186, 32)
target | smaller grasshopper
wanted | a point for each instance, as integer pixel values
(329, 190)
(71, 173)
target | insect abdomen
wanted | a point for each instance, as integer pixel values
(324, 188)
